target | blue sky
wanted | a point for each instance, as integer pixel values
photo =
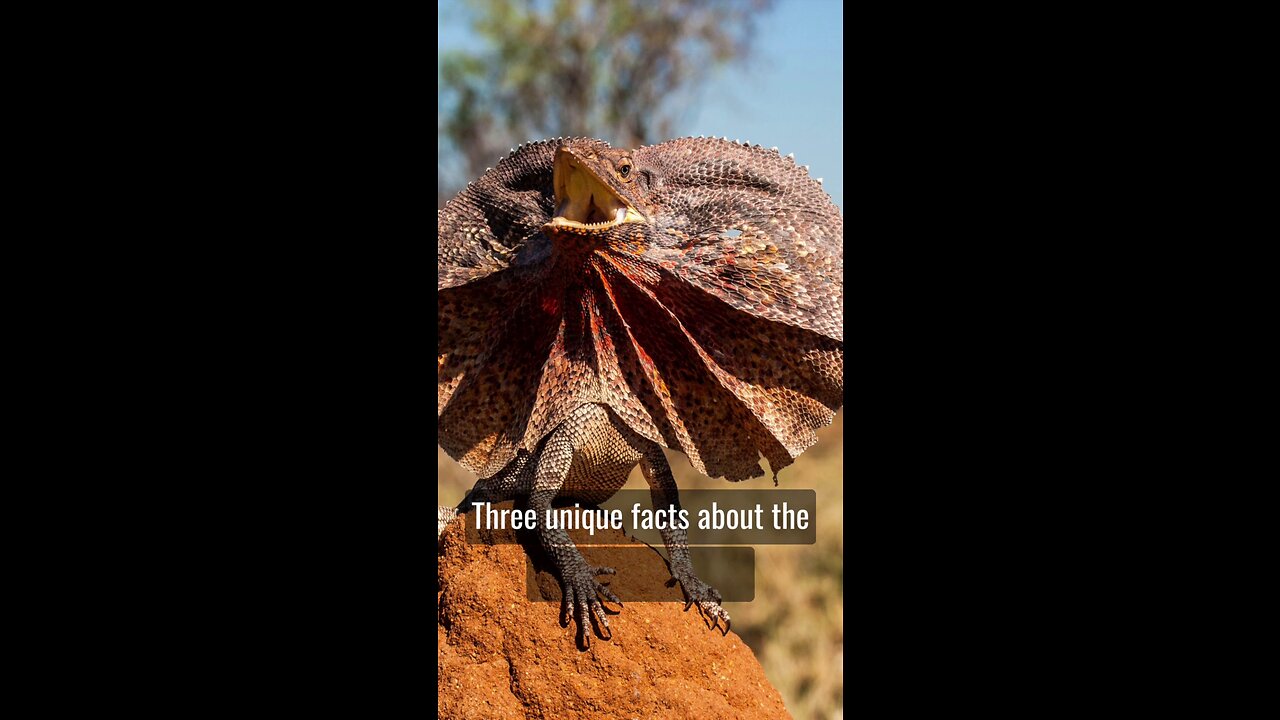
(790, 94)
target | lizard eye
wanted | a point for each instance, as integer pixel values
(625, 170)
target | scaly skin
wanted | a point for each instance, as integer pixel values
(596, 304)
(587, 459)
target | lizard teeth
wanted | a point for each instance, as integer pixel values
(617, 218)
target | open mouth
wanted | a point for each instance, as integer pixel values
(584, 203)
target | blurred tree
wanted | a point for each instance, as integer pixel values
(620, 70)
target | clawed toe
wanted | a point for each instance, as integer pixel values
(716, 613)
(707, 599)
(582, 600)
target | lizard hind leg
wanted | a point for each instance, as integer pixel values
(663, 490)
(446, 514)
(507, 484)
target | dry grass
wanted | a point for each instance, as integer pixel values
(796, 624)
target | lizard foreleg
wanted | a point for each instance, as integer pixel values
(580, 590)
(663, 490)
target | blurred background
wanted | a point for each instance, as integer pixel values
(631, 73)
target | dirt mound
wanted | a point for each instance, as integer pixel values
(501, 655)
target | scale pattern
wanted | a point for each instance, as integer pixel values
(587, 459)
(715, 327)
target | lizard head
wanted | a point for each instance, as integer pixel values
(596, 190)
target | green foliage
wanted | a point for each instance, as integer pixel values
(616, 69)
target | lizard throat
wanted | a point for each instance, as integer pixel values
(584, 204)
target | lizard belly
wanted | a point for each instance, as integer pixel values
(606, 454)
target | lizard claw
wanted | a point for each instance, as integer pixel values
(581, 600)
(706, 598)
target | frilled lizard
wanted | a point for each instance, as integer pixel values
(598, 304)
